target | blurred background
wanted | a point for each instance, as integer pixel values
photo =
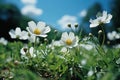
(57, 14)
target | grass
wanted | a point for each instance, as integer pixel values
(78, 63)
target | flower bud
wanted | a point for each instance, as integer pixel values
(46, 40)
(69, 25)
(100, 31)
(90, 34)
(108, 42)
(55, 31)
(76, 25)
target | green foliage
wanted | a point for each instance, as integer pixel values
(54, 64)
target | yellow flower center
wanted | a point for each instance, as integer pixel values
(37, 31)
(68, 41)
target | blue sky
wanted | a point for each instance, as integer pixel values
(54, 10)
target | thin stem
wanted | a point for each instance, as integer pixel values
(103, 41)
(35, 42)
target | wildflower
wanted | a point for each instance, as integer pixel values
(87, 46)
(17, 33)
(113, 35)
(3, 41)
(69, 40)
(53, 44)
(64, 49)
(25, 52)
(38, 29)
(101, 19)
(90, 34)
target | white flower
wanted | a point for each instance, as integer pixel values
(25, 52)
(116, 46)
(64, 49)
(104, 18)
(17, 33)
(69, 40)
(38, 29)
(83, 62)
(113, 35)
(3, 41)
(53, 44)
(90, 73)
(87, 46)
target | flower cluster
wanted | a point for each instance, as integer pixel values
(69, 57)
(34, 30)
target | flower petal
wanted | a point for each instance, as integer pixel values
(41, 25)
(12, 34)
(32, 25)
(109, 18)
(18, 31)
(71, 35)
(47, 29)
(64, 36)
(93, 25)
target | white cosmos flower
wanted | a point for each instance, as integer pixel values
(69, 40)
(103, 18)
(87, 46)
(3, 41)
(64, 49)
(17, 33)
(113, 35)
(39, 29)
(25, 52)
(53, 44)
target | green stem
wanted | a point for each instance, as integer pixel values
(103, 41)
(35, 42)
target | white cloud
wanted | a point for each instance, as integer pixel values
(31, 10)
(83, 13)
(29, 1)
(65, 20)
